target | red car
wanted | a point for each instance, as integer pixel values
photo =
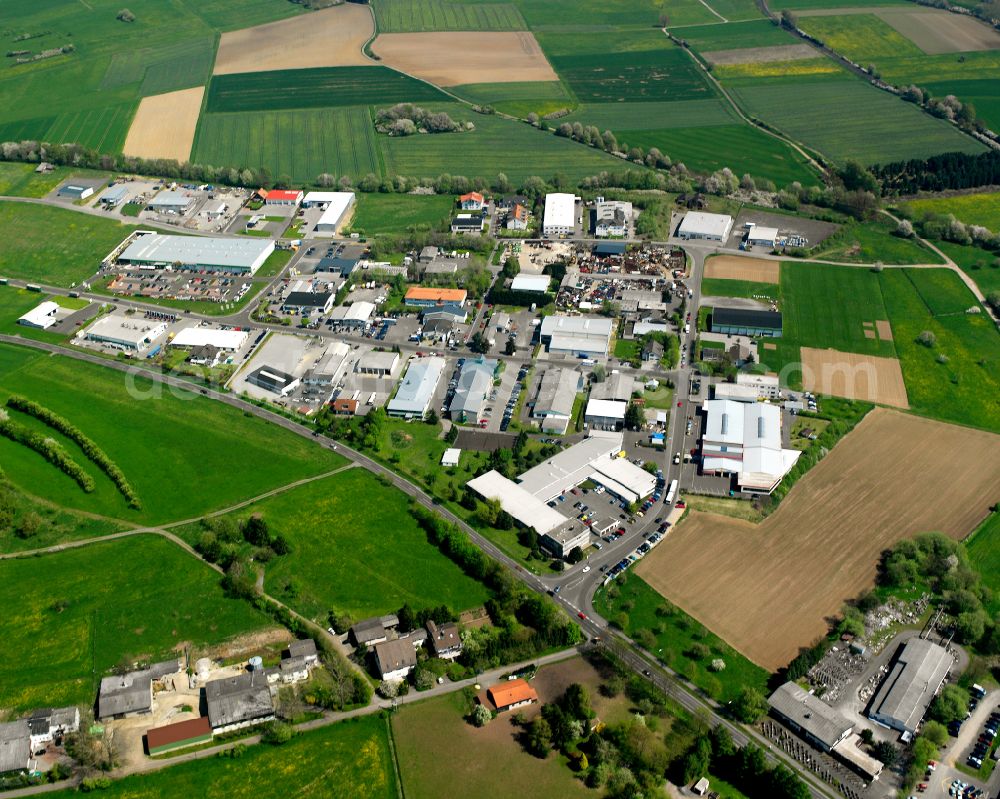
(680, 505)
(582, 615)
(678, 404)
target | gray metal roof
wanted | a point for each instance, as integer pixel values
(557, 392)
(474, 383)
(911, 684)
(171, 199)
(243, 697)
(617, 387)
(417, 388)
(305, 647)
(159, 248)
(125, 693)
(15, 746)
(810, 713)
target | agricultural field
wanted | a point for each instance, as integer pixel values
(341, 141)
(736, 577)
(342, 557)
(750, 73)
(863, 38)
(870, 378)
(807, 6)
(315, 88)
(983, 547)
(655, 116)
(148, 137)
(620, 15)
(761, 55)
(195, 441)
(735, 267)
(739, 35)
(849, 119)
(392, 213)
(935, 31)
(973, 209)
(983, 93)
(53, 245)
(714, 287)
(64, 629)
(518, 99)
(348, 760)
(633, 606)
(411, 16)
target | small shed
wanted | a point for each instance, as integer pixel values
(701, 787)
(451, 456)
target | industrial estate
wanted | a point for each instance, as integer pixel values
(418, 399)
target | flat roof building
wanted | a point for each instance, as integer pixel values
(559, 218)
(758, 236)
(357, 314)
(470, 224)
(579, 335)
(115, 195)
(744, 322)
(526, 508)
(307, 302)
(171, 202)
(129, 333)
(810, 716)
(427, 296)
(611, 218)
(242, 256)
(701, 225)
(324, 372)
(378, 363)
(197, 336)
(564, 539)
(273, 380)
(911, 684)
(415, 393)
(42, 316)
(605, 414)
(557, 392)
(535, 283)
(74, 191)
(338, 203)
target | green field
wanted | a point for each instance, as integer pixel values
(983, 547)
(403, 16)
(204, 455)
(870, 242)
(53, 245)
(348, 760)
(849, 119)
(590, 15)
(965, 387)
(518, 99)
(803, 5)
(942, 292)
(982, 266)
(983, 93)
(863, 38)
(973, 209)
(21, 180)
(356, 550)
(632, 604)
(716, 287)
(736, 36)
(393, 213)
(15, 302)
(315, 88)
(71, 616)
(303, 145)
(654, 115)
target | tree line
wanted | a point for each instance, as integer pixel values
(48, 448)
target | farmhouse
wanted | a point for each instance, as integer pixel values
(553, 407)
(171, 202)
(377, 363)
(335, 204)
(445, 640)
(909, 687)
(198, 336)
(700, 225)
(585, 336)
(307, 302)
(273, 380)
(560, 215)
(395, 659)
(611, 218)
(324, 372)
(413, 398)
(473, 201)
(238, 702)
(73, 191)
(282, 197)
(604, 414)
(533, 283)
(517, 218)
(289, 670)
(357, 314)
(369, 632)
(470, 224)
(42, 316)
(128, 333)
(428, 297)
(744, 439)
(178, 735)
(15, 747)
(131, 694)
(114, 196)
(48, 723)
(474, 383)
(743, 322)
(511, 694)
(238, 256)
(811, 717)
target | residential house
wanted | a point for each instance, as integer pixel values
(240, 701)
(511, 694)
(395, 659)
(473, 201)
(517, 218)
(445, 640)
(369, 632)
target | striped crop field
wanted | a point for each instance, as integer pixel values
(103, 128)
(341, 141)
(415, 16)
(654, 116)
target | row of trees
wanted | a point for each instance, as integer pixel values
(48, 448)
(939, 173)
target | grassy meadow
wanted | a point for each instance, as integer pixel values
(749, 289)
(871, 242)
(391, 213)
(982, 266)
(71, 616)
(973, 209)
(983, 547)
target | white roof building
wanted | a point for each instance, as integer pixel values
(171, 201)
(417, 389)
(764, 236)
(589, 335)
(357, 313)
(605, 413)
(744, 438)
(337, 205)
(328, 365)
(569, 468)
(239, 255)
(539, 283)
(700, 225)
(516, 500)
(231, 340)
(126, 332)
(560, 214)
(451, 456)
(42, 316)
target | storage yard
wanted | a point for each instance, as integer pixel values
(768, 589)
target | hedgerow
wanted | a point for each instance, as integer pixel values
(49, 449)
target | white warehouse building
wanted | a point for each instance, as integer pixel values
(235, 255)
(700, 225)
(560, 215)
(579, 335)
(125, 332)
(228, 340)
(337, 203)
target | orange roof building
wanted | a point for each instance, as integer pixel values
(471, 201)
(424, 296)
(178, 735)
(511, 694)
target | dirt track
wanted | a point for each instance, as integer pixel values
(768, 589)
(854, 376)
(164, 125)
(733, 267)
(332, 37)
(451, 59)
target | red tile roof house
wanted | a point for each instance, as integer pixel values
(473, 201)
(283, 197)
(511, 694)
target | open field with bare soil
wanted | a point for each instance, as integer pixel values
(854, 376)
(451, 59)
(761, 55)
(767, 589)
(149, 137)
(884, 329)
(332, 37)
(936, 31)
(733, 267)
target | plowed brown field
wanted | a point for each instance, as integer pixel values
(768, 589)
(847, 374)
(165, 124)
(733, 267)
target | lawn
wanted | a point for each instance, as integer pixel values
(849, 119)
(863, 38)
(71, 616)
(973, 209)
(958, 379)
(356, 550)
(322, 87)
(183, 454)
(871, 242)
(682, 643)
(627, 350)
(54, 246)
(404, 16)
(983, 547)
(982, 266)
(303, 145)
(15, 302)
(716, 287)
(348, 760)
(393, 213)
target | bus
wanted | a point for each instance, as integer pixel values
(33, 287)
(671, 492)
